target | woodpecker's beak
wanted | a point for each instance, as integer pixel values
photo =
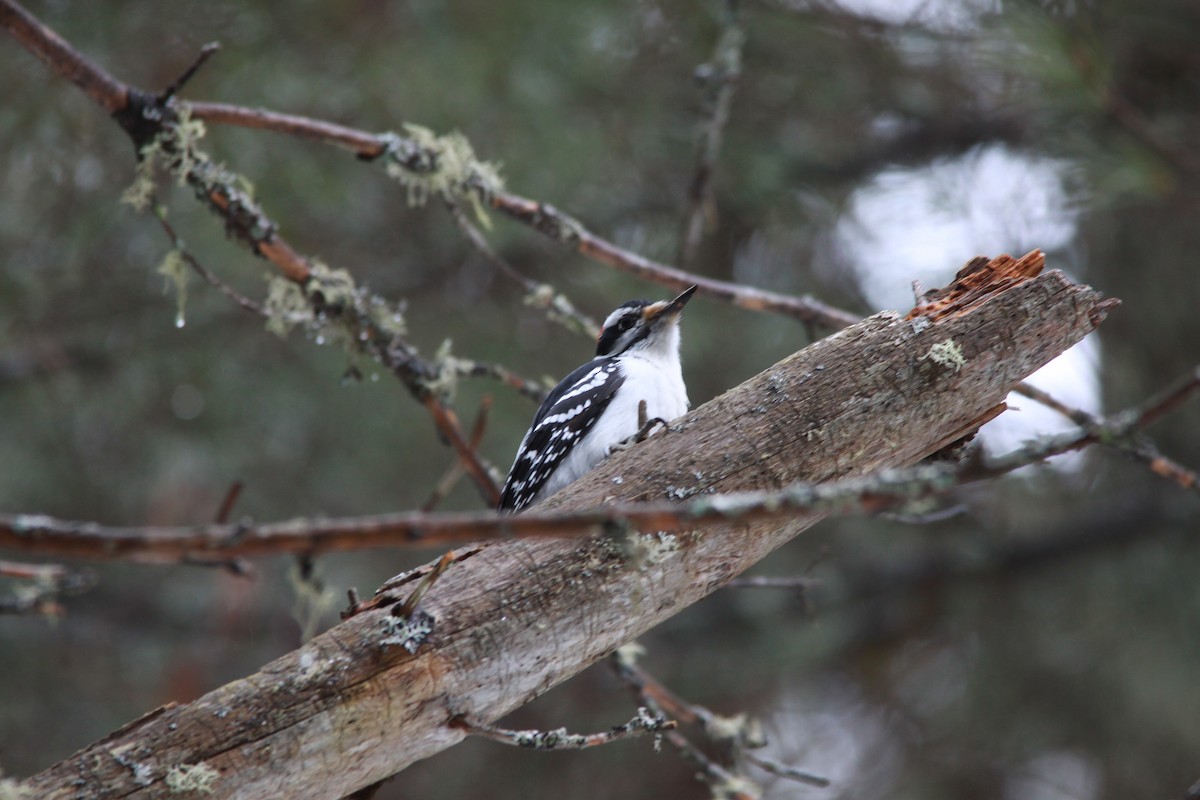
(668, 309)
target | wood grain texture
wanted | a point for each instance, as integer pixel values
(519, 617)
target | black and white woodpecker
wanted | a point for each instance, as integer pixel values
(596, 406)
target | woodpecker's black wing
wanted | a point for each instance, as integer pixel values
(565, 417)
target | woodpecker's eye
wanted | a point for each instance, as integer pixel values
(625, 323)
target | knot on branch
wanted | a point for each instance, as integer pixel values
(143, 117)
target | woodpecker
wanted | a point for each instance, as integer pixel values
(596, 406)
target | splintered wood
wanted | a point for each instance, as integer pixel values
(979, 280)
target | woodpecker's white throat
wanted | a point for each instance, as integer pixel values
(596, 406)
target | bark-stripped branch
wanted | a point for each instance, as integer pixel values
(378, 691)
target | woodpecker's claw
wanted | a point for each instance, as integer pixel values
(642, 435)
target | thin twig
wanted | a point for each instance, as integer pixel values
(720, 78)
(557, 306)
(468, 368)
(871, 494)
(1076, 415)
(770, 582)
(784, 771)
(724, 781)
(33, 572)
(455, 471)
(35, 533)
(644, 723)
(1122, 431)
(1168, 400)
(204, 272)
(206, 52)
(406, 608)
(231, 496)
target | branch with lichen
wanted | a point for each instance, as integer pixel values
(556, 305)
(731, 736)
(871, 494)
(43, 535)
(645, 722)
(542, 217)
(1123, 432)
(167, 136)
(47, 585)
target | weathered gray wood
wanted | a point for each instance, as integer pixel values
(521, 616)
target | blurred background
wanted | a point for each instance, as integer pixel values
(1044, 644)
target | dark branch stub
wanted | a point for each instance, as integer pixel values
(206, 52)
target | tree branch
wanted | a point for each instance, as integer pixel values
(720, 78)
(146, 118)
(543, 218)
(642, 724)
(518, 617)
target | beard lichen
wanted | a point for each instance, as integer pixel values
(441, 166)
(331, 308)
(174, 270)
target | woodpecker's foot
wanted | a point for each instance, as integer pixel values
(648, 427)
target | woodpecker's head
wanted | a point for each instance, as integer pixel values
(642, 325)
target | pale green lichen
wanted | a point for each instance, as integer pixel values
(443, 166)
(139, 193)
(331, 308)
(177, 147)
(184, 136)
(13, 789)
(286, 306)
(174, 269)
(449, 367)
(947, 354)
(191, 779)
(647, 550)
(561, 310)
(408, 632)
(313, 600)
(741, 729)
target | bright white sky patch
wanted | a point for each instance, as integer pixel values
(924, 223)
(937, 15)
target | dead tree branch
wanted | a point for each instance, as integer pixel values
(518, 617)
